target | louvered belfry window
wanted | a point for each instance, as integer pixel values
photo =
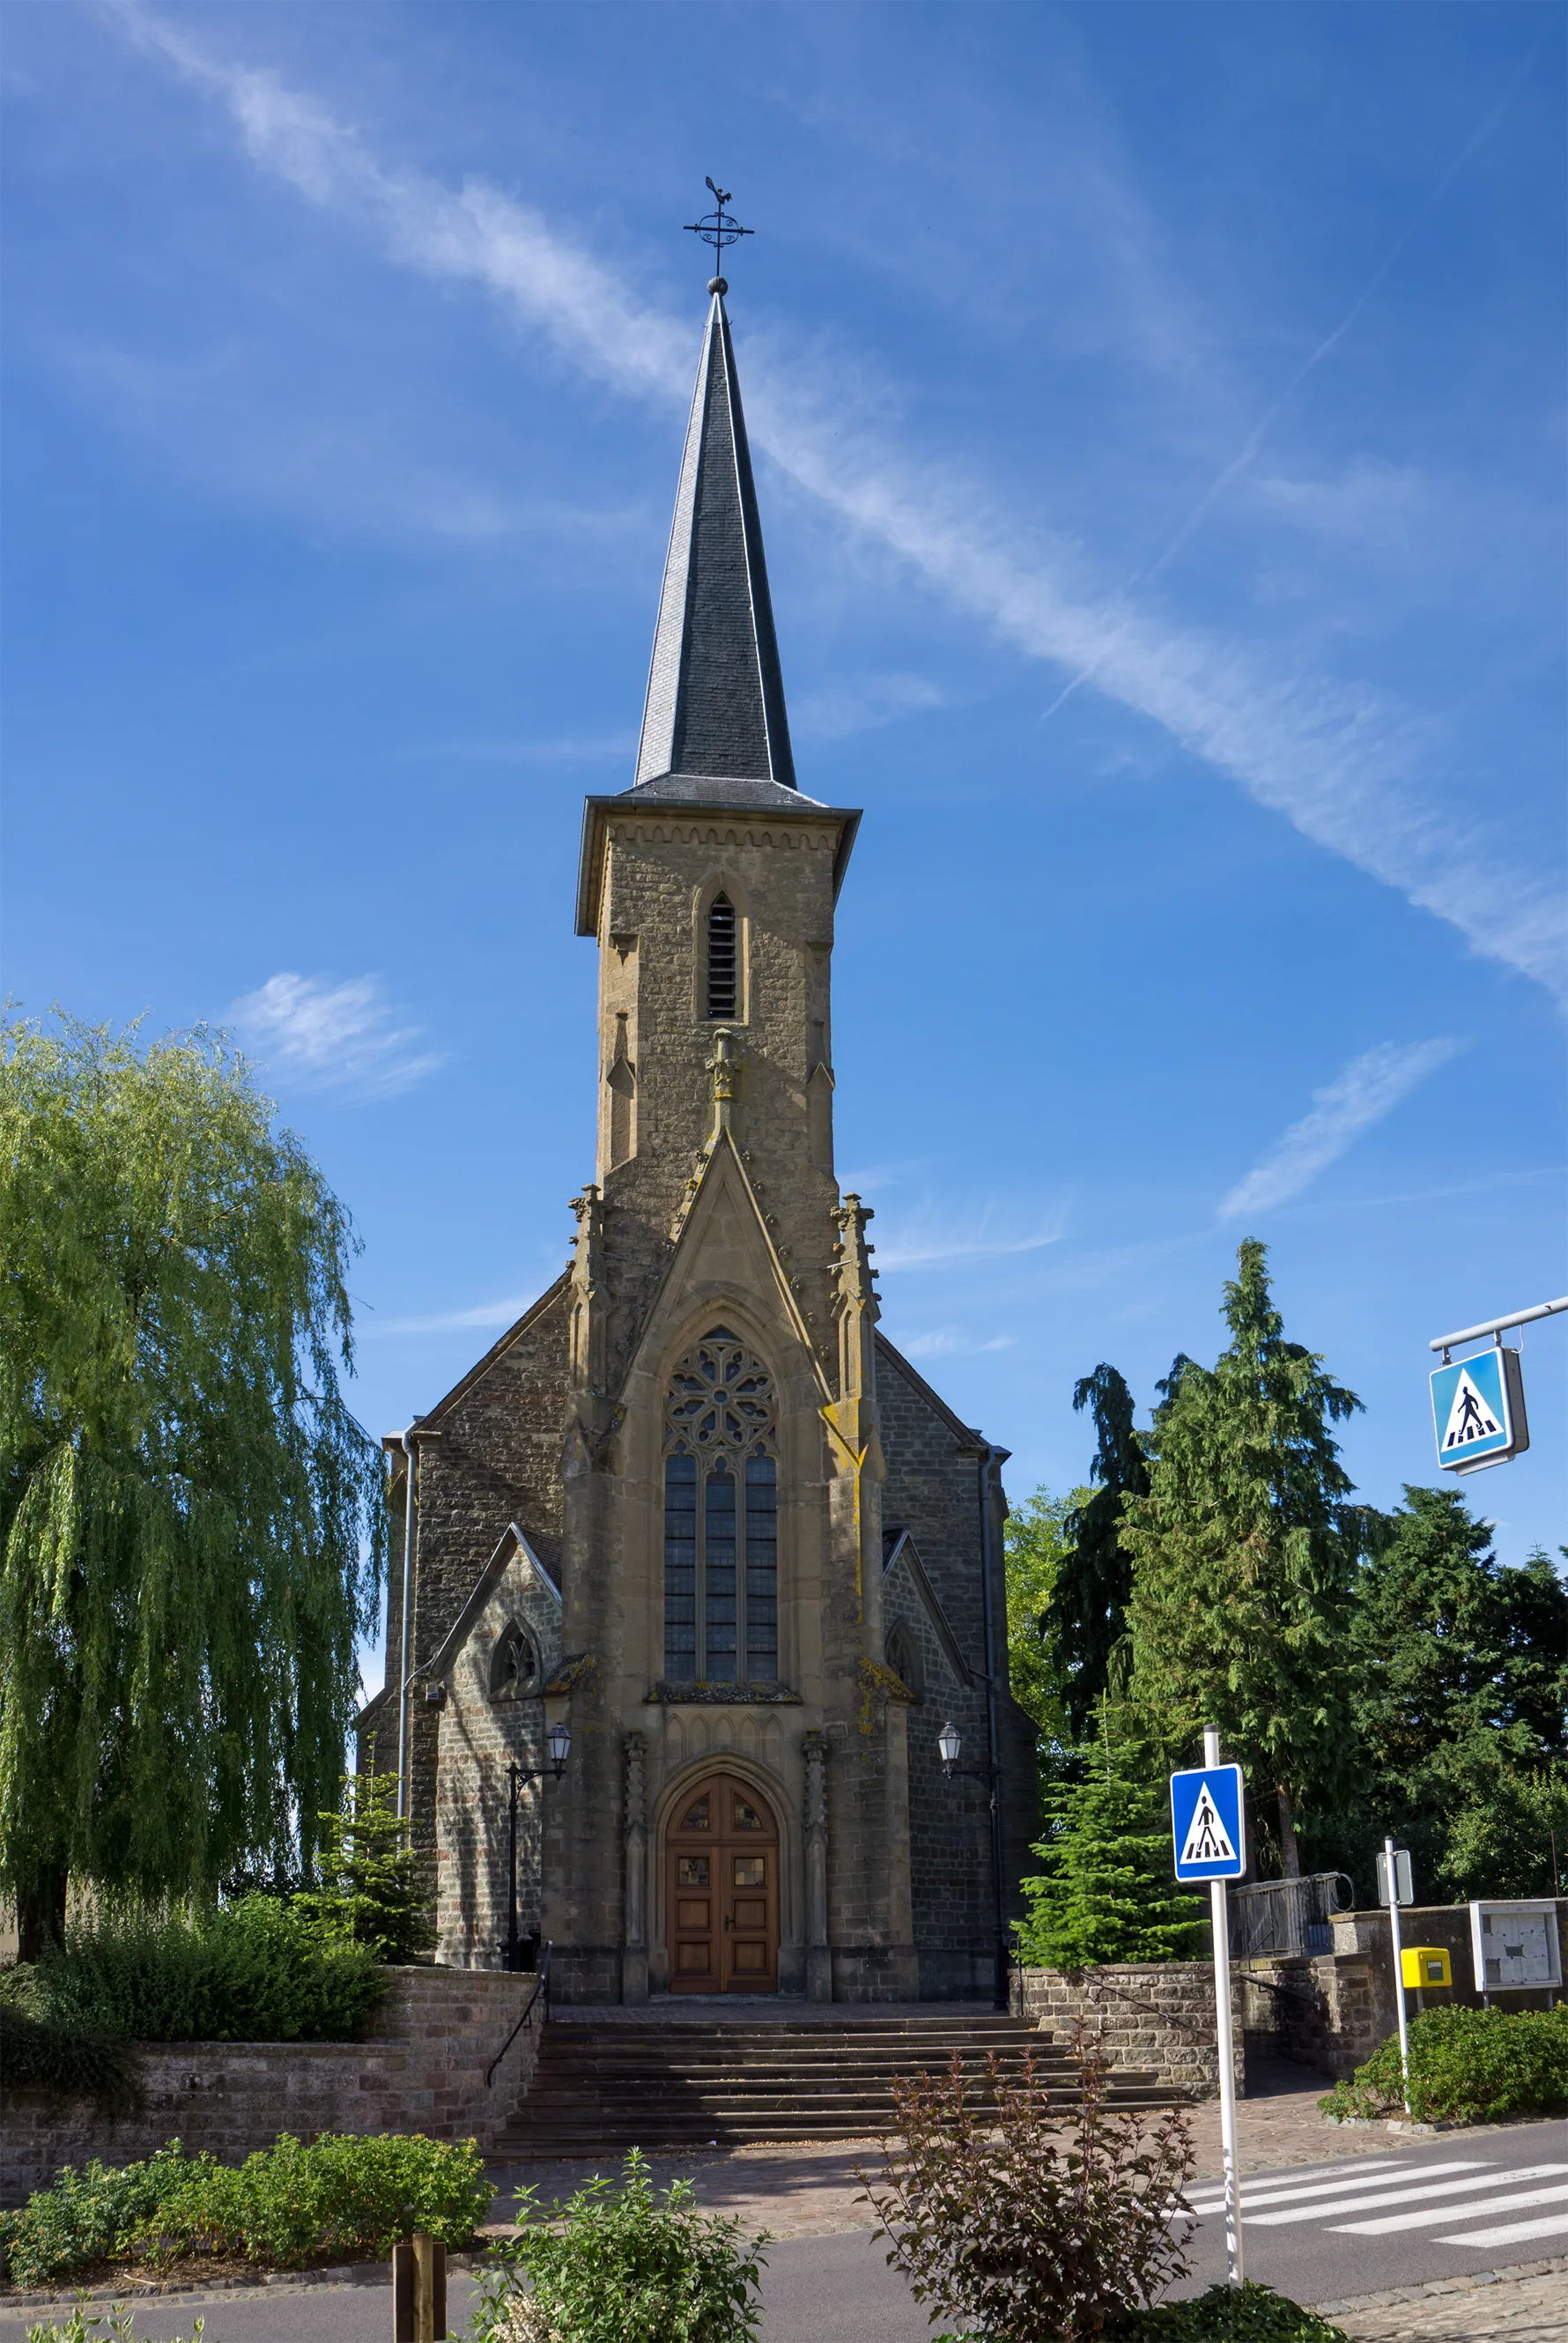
(720, 1518)
(723, 964)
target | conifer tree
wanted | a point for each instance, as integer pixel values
(190, 1518)
(1244, 1554)
(373, 1890)
(1035, 1547)
(1094, 1579)
(1104, 1891)
(1461, 1675)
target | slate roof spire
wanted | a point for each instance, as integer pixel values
(714, 706)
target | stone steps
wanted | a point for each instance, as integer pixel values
(677, 2083)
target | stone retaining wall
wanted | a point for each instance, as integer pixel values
(1158, 2015)
(1331, 2011)
(420, 2069)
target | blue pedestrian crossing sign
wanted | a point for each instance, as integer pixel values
(1209, 1822)
(1478, 1411)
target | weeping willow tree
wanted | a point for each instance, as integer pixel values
(190, 1523)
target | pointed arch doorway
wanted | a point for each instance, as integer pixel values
(721, 1889)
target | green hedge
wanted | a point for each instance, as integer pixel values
(1466, 2065)
(342, 2198)
(1245, 2313)
(252, 1971)
(81, 2062)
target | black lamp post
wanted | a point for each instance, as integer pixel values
(558, 1741)
(949, 1743)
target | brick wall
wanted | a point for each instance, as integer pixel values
(422, 2069)
(1157, 2015)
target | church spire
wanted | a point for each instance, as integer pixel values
(715, 707)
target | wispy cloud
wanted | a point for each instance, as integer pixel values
(1348, 765)
(952, 1342)
(452, 1322)
(928, 1241)
(1369, 1087)
(332, 1035)
(839, 711)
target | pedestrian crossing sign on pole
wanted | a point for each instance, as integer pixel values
(1208, 1823)
(1478, 1411)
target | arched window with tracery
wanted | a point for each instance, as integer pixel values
(515, 1670)
(720, 1518)
(723, 958)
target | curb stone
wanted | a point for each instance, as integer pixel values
(1393, 2295)
(133, 2290)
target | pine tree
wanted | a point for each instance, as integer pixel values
(1104, 1891)
(190, 1518)
(1094, 1579)
(1244, 1554)
(374, 1890)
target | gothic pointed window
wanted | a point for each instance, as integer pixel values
(723, 958)
(515, 1672)
(720, 1518)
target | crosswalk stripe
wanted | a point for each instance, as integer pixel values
(1512, 2232)
(1402, 2196)
(1433, 2218)
(1268, 2193)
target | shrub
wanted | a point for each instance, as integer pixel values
(253, 1971)
(621, 2265)
(87, 2216)
(342, 2197)
(1466, 2065)
(1019, 2237)
(83, 2324)
(39, 2051)
(1243, 2314)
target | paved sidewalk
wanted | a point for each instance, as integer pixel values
(809, 2191)
(1503, 2310)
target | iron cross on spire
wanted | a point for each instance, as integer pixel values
(718, 228)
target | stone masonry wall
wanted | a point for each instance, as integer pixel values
(1331, 2011)
(931, 1490)
(1158, 2015)
(1320, 2011)
(422, 2069)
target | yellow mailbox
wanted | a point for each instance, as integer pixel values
(1423, 1965)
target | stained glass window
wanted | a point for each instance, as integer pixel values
(720, 1518)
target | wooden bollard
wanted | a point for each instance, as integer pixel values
(419, 2290)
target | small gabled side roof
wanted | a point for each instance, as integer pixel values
(904, 1551)
(462, 1627)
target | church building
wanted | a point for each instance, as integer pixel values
(694, 1507)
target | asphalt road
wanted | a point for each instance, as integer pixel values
(1435, 2209)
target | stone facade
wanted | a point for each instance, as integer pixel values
(1155, 2015)
(422, 2069)
(714, 1208)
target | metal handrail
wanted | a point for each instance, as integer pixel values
(541, 1985)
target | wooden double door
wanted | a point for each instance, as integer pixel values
(722, 1890)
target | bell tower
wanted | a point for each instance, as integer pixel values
(709, 890)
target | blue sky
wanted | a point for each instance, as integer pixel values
(1159, 418)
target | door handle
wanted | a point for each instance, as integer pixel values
(729, 1923)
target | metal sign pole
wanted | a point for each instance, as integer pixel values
(1393, 1870)
(1220, 1926)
